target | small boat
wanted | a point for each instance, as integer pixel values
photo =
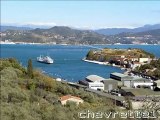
(46, 59)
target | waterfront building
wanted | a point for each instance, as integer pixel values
(132, 81)
(119, 76)
(143, 60)
(93, 82)
(136, 82)
(110, 84)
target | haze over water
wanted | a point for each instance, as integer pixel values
(68, 62)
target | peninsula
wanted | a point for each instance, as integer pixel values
(125, 58)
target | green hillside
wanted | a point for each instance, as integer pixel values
(107, 54)
(27, 97)
(58, 34)
(66, 35)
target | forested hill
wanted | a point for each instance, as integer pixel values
(106, 54)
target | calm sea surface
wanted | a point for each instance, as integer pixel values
(67, 59)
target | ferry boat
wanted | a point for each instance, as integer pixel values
(46, 59)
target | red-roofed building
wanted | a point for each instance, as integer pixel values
(66, 98)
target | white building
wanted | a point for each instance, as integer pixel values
(96, 85)
(93, 82)
(149, 84)
(132, 81)
(136, 82)
(143, 60)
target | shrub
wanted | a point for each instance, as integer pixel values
(9, 73)
(30, 69)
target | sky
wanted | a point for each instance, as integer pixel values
(81, 14)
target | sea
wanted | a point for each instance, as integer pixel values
(68, 63)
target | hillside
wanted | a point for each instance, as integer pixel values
(37, 97)
(152, 69)
(150, 37)
(114, 31)
(150, 32)
(107, 54)
(60, 34)
(66, 35)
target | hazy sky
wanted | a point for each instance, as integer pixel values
(81, 14)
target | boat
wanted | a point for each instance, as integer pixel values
(46, 59)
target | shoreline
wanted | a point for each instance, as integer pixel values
(96, 62)
(52, 43)
(104, 63)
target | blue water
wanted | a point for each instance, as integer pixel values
(67, 59)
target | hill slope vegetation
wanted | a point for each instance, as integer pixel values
(37, 98)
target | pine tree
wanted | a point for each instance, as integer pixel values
(30, 69)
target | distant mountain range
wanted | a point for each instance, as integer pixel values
(114, 31)
(104, 31)
(147, 37)
(4, 28)
(66, 35)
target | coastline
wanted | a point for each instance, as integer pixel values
(53, 43)
(103, 63)
(96, 62)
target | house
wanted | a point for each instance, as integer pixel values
(143, 60)
(67, 98)
(136, 64)
(93, 82)
(134, 59)
(110, 84)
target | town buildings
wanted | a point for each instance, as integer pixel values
(117, 80)
(132, 81)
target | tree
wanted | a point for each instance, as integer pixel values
(156, 73)
(90, 54)
(128, 103)
(30, 69)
